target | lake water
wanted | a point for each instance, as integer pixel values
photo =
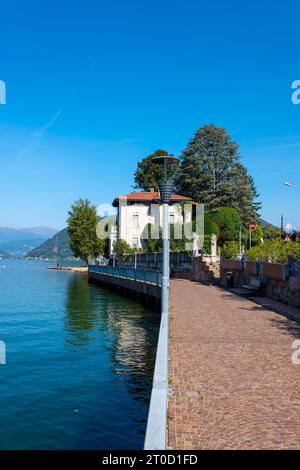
(80, 361)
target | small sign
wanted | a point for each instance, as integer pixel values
(252, 226)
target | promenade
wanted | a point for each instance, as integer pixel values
(233, 383)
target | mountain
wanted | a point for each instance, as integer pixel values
(44, 232)
(18, 242)
(19, 248)
(13, 234)
(263, 223)
(4, 254)
(56, 247)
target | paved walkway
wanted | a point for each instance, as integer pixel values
(233, 382)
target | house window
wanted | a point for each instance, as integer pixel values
(172, 219)
(135, 242)
(135, 221)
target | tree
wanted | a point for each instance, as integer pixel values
(228, 221)
(155, 245)
(122, 248)
(271, 232)
(147, 174)
(82, 224)
(152, 245)
(211, 173)
(210, 228)
(230, 249)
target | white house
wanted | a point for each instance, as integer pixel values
(136, 210)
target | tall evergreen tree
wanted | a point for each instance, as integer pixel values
(211, 173)
(148, 173)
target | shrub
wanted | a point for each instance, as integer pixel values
(121, 248)
(230, 249)
(276, 251)
(228, 221)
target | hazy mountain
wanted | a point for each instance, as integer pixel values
(19, 248)
(56, 247)
(263, 223)
(18, 242)
(4, 254)
(13, 234)
(45, 232)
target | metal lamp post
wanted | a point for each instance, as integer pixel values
(157, 418)
(165, 187)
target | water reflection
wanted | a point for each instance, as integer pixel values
(127, 329)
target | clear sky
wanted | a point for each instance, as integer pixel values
(94, 86)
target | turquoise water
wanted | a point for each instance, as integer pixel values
(80, 361)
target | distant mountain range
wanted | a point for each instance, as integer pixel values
(4, 255)
(17, 242)
(263, 223)
(55, 248)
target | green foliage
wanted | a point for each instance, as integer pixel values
(276, 251)
(210, 228)
(82, 224)
(230, 249)
(177, 244)
(122, 248)
(228, 221)
(271, 232)
(257, 236)
(155, 245)
(211, 173)
(147, 174)
(151, 245)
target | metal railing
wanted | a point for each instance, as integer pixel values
(148, 276)
(154, 260)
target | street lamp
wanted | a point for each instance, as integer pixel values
(165, 188)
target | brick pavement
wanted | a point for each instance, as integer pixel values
(233, 384)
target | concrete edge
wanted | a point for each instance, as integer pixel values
(156, 431)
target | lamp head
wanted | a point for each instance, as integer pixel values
(165, 158)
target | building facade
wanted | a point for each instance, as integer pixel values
(136, 210)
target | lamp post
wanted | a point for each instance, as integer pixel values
(157, 418)
(240, 241)
(165, 187)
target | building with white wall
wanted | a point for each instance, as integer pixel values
(136, 210)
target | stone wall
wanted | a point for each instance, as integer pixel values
(274, 280)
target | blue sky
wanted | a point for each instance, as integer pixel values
(94, 86)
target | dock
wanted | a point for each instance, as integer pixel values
(78, 269)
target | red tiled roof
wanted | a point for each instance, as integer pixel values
(152, 196)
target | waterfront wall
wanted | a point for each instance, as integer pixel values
(141, 283)
(145, 284)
